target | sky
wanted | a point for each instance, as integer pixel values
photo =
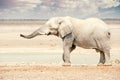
(44, 9)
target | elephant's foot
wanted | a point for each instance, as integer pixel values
(100, 64)
(66, 64)
(108, 64)
(105, 64)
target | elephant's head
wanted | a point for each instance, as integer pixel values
(60, 26)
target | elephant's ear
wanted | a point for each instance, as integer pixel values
(65, 28)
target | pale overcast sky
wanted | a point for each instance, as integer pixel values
(44, 9)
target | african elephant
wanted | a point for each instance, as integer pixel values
(90, 33)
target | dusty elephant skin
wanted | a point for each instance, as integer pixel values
(90, 33)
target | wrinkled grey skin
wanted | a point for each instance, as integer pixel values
(91, 33)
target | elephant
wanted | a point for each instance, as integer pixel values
(91, 33)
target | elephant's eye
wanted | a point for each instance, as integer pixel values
(53, 31)
(60, 23)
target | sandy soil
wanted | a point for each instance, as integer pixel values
(10, 42)
(54, 72)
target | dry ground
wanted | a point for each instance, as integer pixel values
(54, 72)
(11, 43)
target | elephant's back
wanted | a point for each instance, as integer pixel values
(94, 20)
(90, 29)
(97, 23)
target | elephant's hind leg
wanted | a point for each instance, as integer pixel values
(107, 58)
(102, 58)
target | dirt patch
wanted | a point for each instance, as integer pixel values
(57, 72)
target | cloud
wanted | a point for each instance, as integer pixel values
(50, 8)
(108, 3)
(7, 4)
(75, 7)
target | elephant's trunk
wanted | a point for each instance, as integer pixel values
(41, 31)
(30, 36)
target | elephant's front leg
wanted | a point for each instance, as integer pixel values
(66, 56)
(67, 47)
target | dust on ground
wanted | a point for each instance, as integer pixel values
(57, 72)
